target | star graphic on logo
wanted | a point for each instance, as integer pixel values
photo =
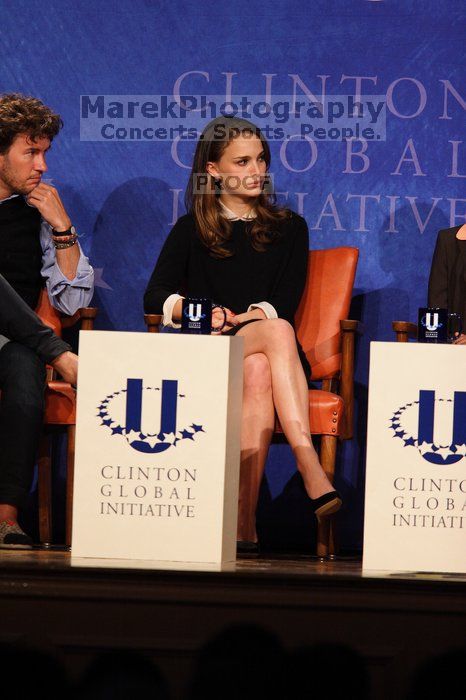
(445, 452)
(409, 441)
(99, 280)
(397, 427)
(430, 451)
(153, 440)
(425, 447)
(170, 438)
(143, 441)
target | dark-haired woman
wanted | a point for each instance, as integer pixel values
(243, 252)
(447, 281)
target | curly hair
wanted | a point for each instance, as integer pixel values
(20, 114)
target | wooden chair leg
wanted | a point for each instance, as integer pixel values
(326, 544)
(328, 453)
(44, 488)
(69, 481)
(326, 537)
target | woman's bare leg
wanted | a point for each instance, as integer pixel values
(258, 418)
(275, 338)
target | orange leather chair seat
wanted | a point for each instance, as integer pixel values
(60, 404)
(325, 413)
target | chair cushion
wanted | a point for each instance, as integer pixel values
(325, 413)
(60, 404)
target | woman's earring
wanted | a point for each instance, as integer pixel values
(218, 183)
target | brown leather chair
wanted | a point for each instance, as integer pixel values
(328, 341)
(60, 409)
(327, 338)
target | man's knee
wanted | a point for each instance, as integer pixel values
(22, 372)
(257, 375)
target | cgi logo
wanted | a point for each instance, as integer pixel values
(194, 312)
(422, 416)
(122, 413)
(431, 321)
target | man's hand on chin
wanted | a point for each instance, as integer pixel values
(47, 200)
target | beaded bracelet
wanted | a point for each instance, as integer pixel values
(63, 246)
(64, 239)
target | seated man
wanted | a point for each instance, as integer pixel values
(37, 243)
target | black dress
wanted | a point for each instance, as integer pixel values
(447, 281)
(277, 275)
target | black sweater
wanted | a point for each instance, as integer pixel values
(20, 249)
(447, 281)
(276, 275)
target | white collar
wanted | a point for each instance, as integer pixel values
(229, 214)
(7, 198)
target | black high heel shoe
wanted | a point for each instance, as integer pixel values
(327, 504)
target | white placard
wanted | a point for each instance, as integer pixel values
(415, 500)
(157, 447)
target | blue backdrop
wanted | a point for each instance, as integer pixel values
(389, 202)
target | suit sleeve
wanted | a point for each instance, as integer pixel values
(289, 288)
(18, 322)
(438, 279)
(170, 269)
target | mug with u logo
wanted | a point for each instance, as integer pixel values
(196, 316)
(438, 326)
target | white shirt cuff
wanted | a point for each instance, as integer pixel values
(268, 309)
(168, 311)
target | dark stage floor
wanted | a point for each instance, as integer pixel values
(394, 620)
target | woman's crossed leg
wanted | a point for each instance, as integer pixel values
(273, 380)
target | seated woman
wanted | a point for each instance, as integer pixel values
(447, 281)
(243, 252)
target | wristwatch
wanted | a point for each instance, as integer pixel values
(71, 231)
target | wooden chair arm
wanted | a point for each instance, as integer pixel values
(348, 330)
(348, 325)
(86, 316)
(153, 322)
(404, 330)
